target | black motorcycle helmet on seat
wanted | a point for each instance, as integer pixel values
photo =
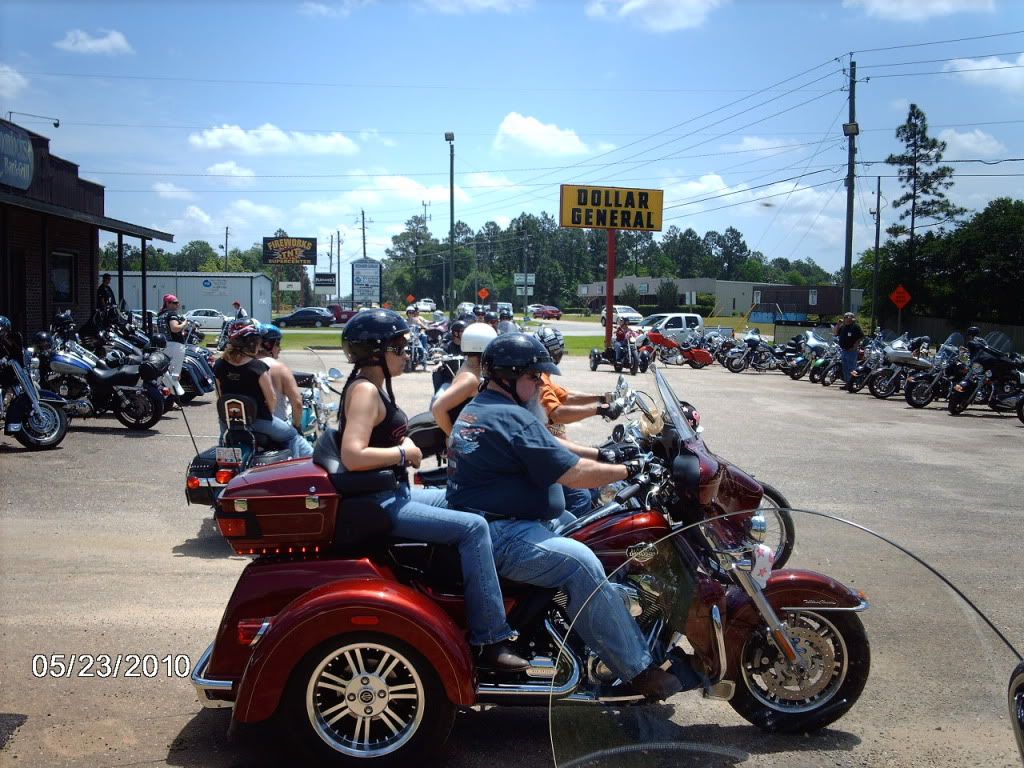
(973, 331)
(158, 341)
(512, 355)
(5, 326)
(42, 341)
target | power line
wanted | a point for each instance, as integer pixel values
(747, 202)
(939, 61)
(947, 71)
(940, 42)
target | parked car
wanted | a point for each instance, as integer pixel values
(465, 308)
(652, 320)
(206, 319)
(531, 308)
(341, 315)
(623, 310)
(315, 317)
(547, 312)
(680, 325)
(504, 305)
(426, 305)
(137, 317)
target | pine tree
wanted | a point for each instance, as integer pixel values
(924, 180)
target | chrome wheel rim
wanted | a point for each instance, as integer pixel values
(365, 700)
(45, 423)
(823, 651)
(775, 536)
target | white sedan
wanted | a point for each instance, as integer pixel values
(206, 319)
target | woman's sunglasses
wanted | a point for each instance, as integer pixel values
(398, 350)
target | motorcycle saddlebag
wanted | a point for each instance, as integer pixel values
(201, 472)
(289, 507)
(154, 365)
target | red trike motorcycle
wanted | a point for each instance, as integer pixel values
(356, 642)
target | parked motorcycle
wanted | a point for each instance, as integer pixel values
(34, 416)
(752, 352)
(996, 377)
(92, 388)
(671, 352)
(824, 363)
(903, 357)
(814, 345)
(948, 367)
(629, 360)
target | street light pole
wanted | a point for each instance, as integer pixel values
(450, 138)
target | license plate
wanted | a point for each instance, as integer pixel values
(229, 455)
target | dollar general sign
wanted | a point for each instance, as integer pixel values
(611, 208)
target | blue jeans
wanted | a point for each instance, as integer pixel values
(423, 515)
(579, 501)
(529, 551)
(281, 431)
(849, 358)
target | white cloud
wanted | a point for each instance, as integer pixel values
(759, 145)
(244, 211)
(374, 135)
(655, 15)
(195, 223)
(338, 10)
(899, 105)
(919, 10)
(502, 221)
(112, 43)
(12, 82)
(476, 6)
(381, 190)
(987, 71)
(484, 179)
(171, 191)
(517, 130)
(236, 174)
(970, 144)
(269, 139)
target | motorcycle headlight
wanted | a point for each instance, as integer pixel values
(977, 367)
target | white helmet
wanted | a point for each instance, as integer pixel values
(476, 337)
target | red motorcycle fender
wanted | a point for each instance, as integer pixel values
(339, 608)
(787, 588)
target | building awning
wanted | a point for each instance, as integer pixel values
(103, 222)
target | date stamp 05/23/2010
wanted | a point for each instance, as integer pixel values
(111, 665)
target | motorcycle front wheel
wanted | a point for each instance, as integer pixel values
(957, 403)
(42, 431)
(883, 387)
(837, 656)
(737, 364)
(409, 716)
(816, 373)
(798, 372)
(594, 360)
(828, 378)
(139, 410)
(781, 529)
(918, 394)
(1020, 409)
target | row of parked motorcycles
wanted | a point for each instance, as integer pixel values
(106, 365)
(962, 372)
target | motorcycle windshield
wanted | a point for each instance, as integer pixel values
(823, 333)
(955, 339)
(999, 341)
(888, 335)
(892, 664)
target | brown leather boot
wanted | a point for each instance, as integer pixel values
(501, 657)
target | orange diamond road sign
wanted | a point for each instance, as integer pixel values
(483, 293)
(900, 297)
(410, 298)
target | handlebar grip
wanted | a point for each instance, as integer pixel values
(627, 493)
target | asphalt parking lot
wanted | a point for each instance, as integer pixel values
(100, 554)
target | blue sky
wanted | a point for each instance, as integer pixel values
(259, 115)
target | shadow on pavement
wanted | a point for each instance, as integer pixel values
(9, 723)
(207, 543)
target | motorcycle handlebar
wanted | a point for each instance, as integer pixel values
(627, 493)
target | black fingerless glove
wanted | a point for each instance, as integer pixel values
(608, 456)
(634, 468)
(611, 411)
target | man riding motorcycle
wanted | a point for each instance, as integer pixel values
(506, 466)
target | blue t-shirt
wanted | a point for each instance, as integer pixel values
(503, 461)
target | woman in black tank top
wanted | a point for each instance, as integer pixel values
(372, 432)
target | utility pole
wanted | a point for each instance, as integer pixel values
(878, 228)
(416, 251)
(338, 276)
(363, 214)
(225, 249)
(850, 130)
(526, 263)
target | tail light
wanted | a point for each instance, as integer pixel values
(231, 527)
(192, 482)
(416, 479)
(223, 476)
(251, 630)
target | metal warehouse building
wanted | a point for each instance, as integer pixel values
(203, 290)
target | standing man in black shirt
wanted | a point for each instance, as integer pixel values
(848, 335)
(105, 294)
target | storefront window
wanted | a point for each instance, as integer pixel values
(62, 278)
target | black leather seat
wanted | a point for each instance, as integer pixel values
(126, 376)
(304, 380)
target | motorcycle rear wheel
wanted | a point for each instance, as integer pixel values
(838, 656)
(142, 411)
(44, 431)
(406, 729)
(957, 404)
(695, 364)
(781, 529)
(1020, 409)
(918, 394)
(856, 383)
(797, 373)
(594, 360)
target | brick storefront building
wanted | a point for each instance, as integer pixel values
(50, 221)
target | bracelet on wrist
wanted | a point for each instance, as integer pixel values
(401, 460)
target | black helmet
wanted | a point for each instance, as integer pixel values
(458, 326)
(5, 326)
(490, 316)
(41, 340)
(479, 309)
(973, 331)
(512, 355)
(505, 314)
(552, 340)
(158, 340)
(366, 334)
